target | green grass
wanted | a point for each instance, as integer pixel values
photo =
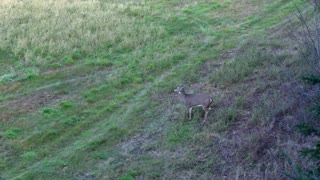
(13, 133)
(86, 86)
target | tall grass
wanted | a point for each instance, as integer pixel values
(39, 30)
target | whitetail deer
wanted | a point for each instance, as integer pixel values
(194, 100)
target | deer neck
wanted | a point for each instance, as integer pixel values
(182, 94)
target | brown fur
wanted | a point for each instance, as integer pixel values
(193, 100)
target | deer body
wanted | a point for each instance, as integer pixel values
(194, 100)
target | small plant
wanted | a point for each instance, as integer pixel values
(66, 104)
(111, 106)
(311, 78)
(10, 76)
(50, 112)
(30, 73)
(55, 65)
(7, 77)
(179, 134)
(71, 120)
(131, 174)
(228, 115)
(90, 97)
(2, 165)
(29, 155)
(12, 133)
(100, 62)
(68, 60)
(313, 153)
(50, 135)
(93, 94)
(101, 155)
(226, 118)
(127, 177)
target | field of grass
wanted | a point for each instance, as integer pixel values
(86, 89)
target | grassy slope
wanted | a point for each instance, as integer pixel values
(106, 110)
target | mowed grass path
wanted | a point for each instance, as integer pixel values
(86, 86)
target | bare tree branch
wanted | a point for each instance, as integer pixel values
(309, 41)
(316, 22)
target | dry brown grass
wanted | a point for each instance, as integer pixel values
(57, 28)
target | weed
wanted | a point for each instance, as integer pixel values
(225, 118)
(3, 165)
(101, 155)
(312, 154)
(127, 177)
(306, 129)
(50, 112)
(315, 110)
(7, 78)
(131, 174)
(30, 73)
(100, 62)
(94, 94)
(240, 102)
(71, 121)
(258, 113)
(179, 134)
(111, 106)
(29, 155)
(68, 60)
(50, 135)
(55, 65)
(118, 133)
(66, 104)
(13, 133)
(311, 78)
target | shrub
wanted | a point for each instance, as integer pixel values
(310, 55)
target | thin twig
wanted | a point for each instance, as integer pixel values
(316, 21)
(304, 22)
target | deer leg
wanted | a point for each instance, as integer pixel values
(205, 116)
(190, 110)
(205, 110)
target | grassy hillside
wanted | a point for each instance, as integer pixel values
(87, 89)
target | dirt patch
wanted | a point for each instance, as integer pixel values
(56, 70)
(209, 66)
(229, 55)
(26, 104)
(138, 144)
(33, 101)
(4, 89)
(213, 65)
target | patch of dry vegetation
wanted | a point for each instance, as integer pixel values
(39, 30)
